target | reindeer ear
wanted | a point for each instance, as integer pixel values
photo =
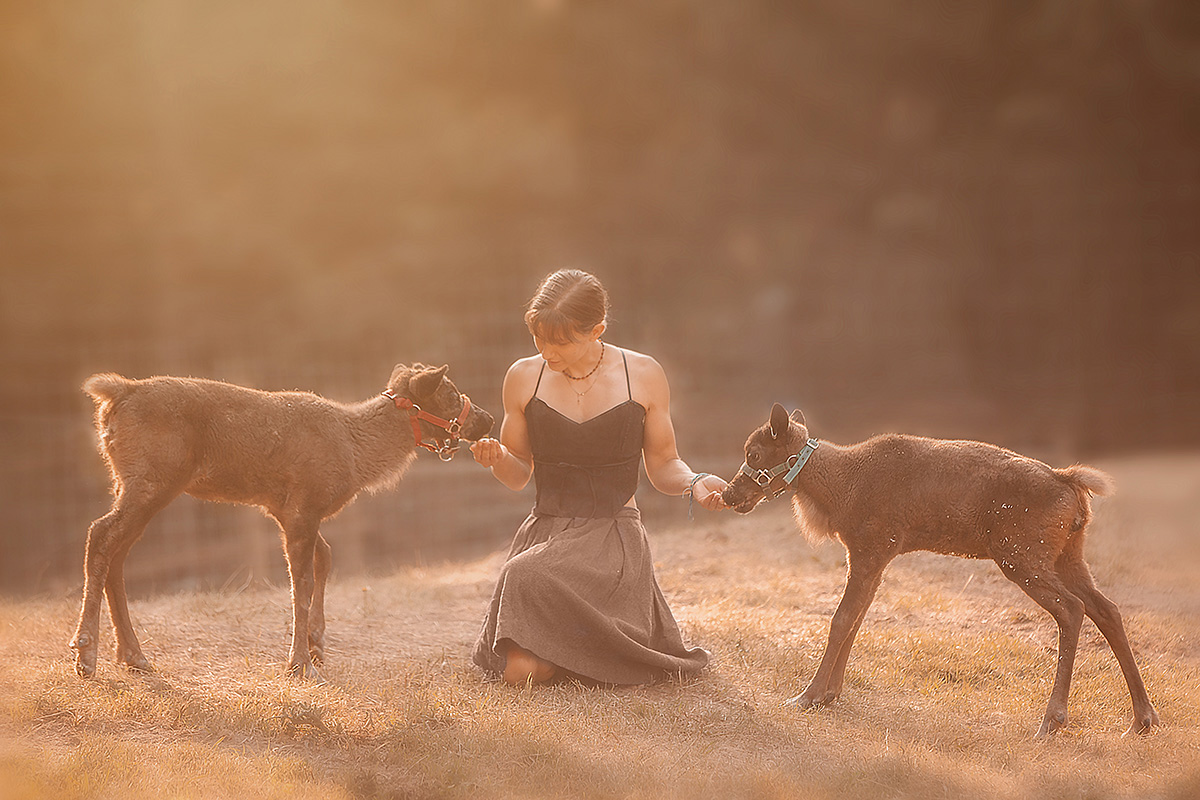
(798, 418)
(426, 382)
(779, 421)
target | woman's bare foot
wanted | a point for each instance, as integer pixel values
(522, 667)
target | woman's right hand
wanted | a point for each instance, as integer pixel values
(488, 452)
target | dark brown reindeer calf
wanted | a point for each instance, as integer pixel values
(300, 457)
(896, 494)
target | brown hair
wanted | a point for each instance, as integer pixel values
(567, 303)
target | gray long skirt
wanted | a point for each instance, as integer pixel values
(581, 594)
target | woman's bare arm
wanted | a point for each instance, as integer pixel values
(510, 458)
(668, 473)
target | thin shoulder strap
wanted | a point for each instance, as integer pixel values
(628, 387)
(539, 380)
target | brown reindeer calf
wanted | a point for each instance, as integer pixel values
(300, 457)
(896, 494)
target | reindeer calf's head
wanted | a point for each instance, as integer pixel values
(767, 447)
(429, 388)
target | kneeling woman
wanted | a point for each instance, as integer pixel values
(578, 596)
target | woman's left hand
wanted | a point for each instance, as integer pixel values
(707, 492)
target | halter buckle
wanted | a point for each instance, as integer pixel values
(759, 476)
(446, 449)
(792, 466)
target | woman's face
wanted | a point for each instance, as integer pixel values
(566, 355)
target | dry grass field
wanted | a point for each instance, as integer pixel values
(945, 688)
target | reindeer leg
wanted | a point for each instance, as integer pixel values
(322, 564)
(838, 675)
(1104, 612)
(1049, 592)
(129, 650)
(300, 537)
(861, 584)
(109, 540)
(95, 573)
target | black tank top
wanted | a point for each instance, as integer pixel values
(589, 468)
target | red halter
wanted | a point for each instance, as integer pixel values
(446, 450)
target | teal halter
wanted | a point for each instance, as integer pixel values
(792, 467)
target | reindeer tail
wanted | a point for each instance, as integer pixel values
(1088, 478)
(107, 386)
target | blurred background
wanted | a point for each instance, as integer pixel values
(960, 219)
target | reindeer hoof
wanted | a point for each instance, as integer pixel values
(85, 656)
(305, 671)
(1143, 724)
(1050, 725)
(804, 702)
(138, 663)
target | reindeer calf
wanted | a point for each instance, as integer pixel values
(896, 494)
(300, 457)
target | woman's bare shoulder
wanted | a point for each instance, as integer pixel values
(522, 375)
(530, 365)
(641, 364)
(646, 375)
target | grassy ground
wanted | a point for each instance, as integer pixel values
(945, 688)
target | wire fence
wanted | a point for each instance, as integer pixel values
(54, 482)
(894, 225)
